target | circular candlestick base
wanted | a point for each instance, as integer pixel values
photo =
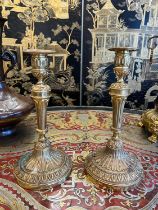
(43, 169)
(116, 168)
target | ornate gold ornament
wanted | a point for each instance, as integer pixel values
(44, 167)
(112, 165)
(149, 118)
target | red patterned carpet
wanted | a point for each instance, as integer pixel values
(78, 133)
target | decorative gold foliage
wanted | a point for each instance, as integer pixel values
(31, 12)
(94, 6)
(68, 31)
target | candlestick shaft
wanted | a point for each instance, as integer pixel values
(119, 92)
(40, 92)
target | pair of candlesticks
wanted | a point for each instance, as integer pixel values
(47, 167)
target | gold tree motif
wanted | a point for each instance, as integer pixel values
(68, 30)
(94, 6)
(97, 79)
(36, 11)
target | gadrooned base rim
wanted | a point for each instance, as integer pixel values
(45, 180)
(126, 178)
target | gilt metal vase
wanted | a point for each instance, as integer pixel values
(112, 165)
(45, 167)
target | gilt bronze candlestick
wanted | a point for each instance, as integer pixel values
(45, 166)
(112, 165)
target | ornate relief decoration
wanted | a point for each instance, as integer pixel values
(89, 130)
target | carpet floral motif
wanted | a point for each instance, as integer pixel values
(78, 133)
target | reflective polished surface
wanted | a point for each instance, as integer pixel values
(45, 166)
(112, 165)
(149, 120)
(78, 130)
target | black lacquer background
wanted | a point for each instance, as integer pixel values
(80, 95)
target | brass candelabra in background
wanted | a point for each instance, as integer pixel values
(45, 166)
(112, 165)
